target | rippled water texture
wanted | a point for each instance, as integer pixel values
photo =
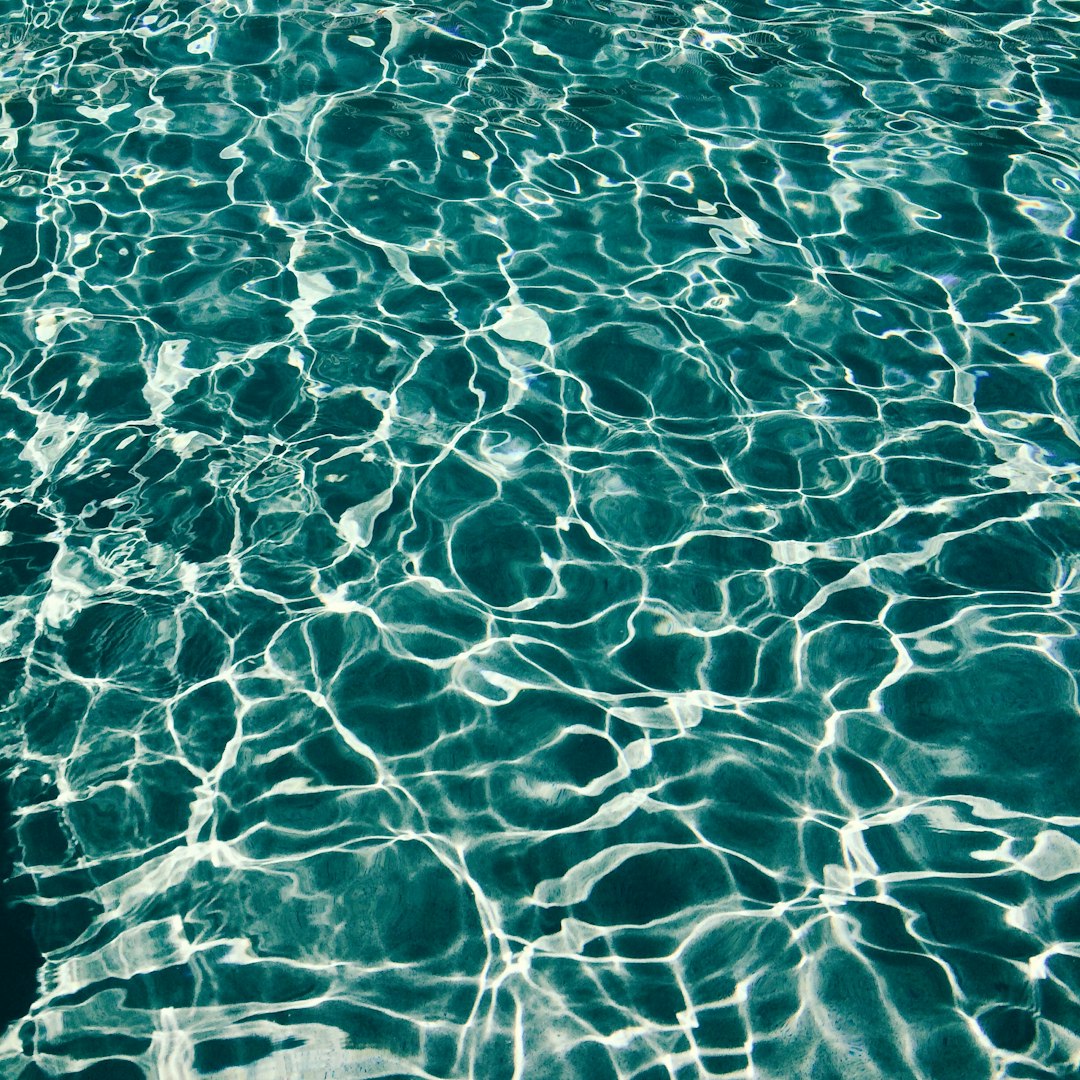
(540, 540)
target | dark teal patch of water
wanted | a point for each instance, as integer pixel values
(22, 958)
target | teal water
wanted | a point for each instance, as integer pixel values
(539, 540)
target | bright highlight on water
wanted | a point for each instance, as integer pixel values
(539, 540)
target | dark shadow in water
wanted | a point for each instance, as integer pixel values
(18, 950)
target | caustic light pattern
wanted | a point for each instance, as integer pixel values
(539, 540)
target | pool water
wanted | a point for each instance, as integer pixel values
(539, 539)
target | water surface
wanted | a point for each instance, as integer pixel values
(540, 540)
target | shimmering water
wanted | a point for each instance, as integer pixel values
(540, 539)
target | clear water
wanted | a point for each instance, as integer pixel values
(540, 539)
